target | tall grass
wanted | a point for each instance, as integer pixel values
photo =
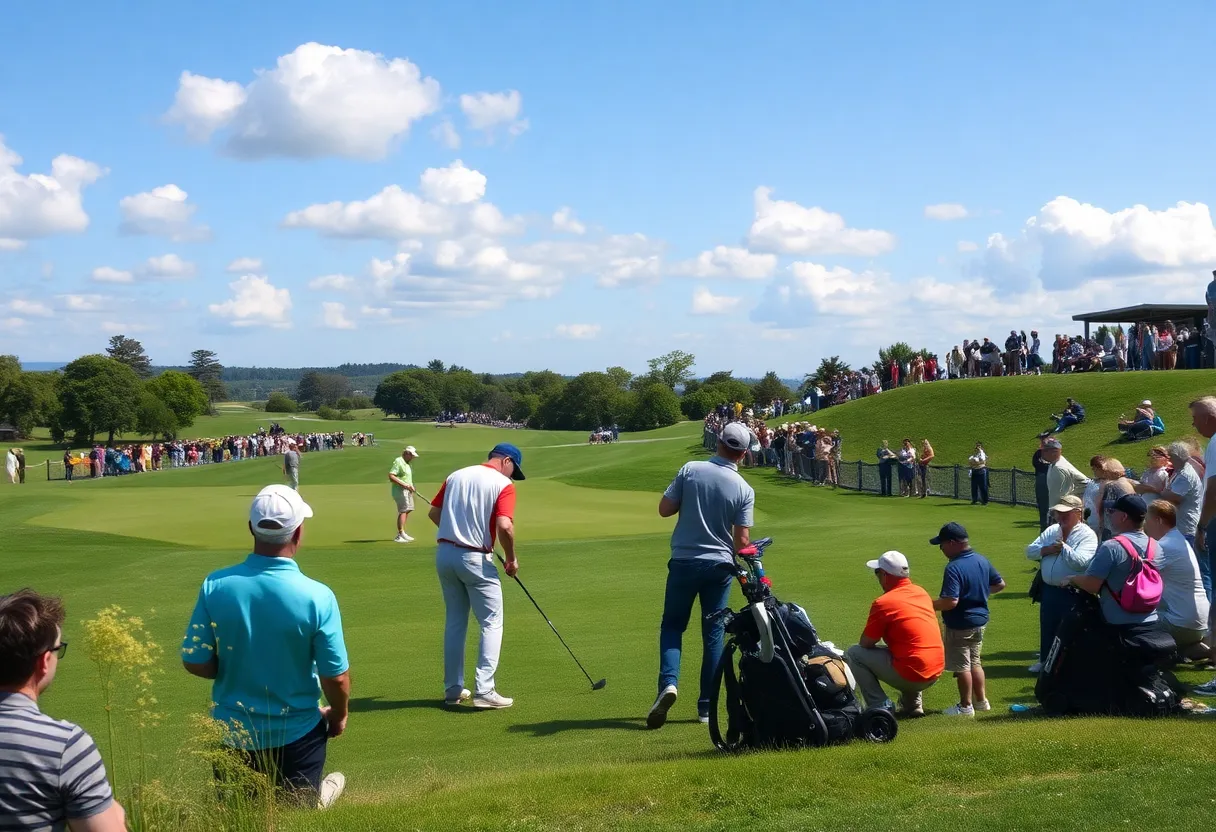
(208, 788)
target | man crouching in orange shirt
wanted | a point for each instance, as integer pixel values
(913, 656)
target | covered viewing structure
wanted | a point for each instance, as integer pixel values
(1193, 314)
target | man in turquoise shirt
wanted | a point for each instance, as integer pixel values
(271, 639)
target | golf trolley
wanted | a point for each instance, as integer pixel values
(791, 690)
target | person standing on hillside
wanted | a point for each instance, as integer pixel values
(291, 464)
(715, 506)
(1063, 478)
(977, 465)
(473, 510)
(401, 475)
(271, 640)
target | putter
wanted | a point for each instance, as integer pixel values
(602, 683)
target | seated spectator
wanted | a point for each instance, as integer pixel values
(51, 774)
(1074, 414)
(1113, 484)
(1145, 424)
(1184, 607)
(1157, 474)
(1063, 551)
(913, 656)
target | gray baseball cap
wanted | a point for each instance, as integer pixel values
(737, 437)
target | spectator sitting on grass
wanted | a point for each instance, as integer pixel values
(1074, 414)
(1145, 424)
(1184, 607)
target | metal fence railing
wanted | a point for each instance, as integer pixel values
(1010, 486)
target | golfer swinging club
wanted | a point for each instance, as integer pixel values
(474, 507)
(401, 475)
(714, 504)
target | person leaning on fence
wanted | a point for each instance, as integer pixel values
(886, 460)
(912, 657)
(1062, 550)
(978, 470)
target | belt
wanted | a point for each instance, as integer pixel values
(463, 546)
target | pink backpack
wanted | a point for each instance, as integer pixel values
(1141, 592)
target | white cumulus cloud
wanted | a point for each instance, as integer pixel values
(108, 274)
(727, 261)
(332, 282)
(392, 214)
(39, 205)
(255, 301)
(565, 221)
(705, 302)
(83, 303)
(789, 228)
(445, 133)
(30, 308)
(453, 185)
(965, 246)
(489, 111)
(333, 316)
(167, 267)
(946, 211)
(244, 265)
(9, 244)
(577, 332)
(161, 212)
(317, 101)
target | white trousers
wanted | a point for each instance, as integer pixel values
(469, 581)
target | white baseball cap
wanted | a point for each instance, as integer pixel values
(893, 563)
(736, 437)
(277, 512)
(1146, 403)
(411, 450)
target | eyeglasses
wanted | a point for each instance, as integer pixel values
(60, 649)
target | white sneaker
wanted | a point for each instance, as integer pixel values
(331, 789)
(493, 699)
(983, 706)
(1036, 668)
(658, 711)
(461, 696)
(405, 538)
(959, 710)
(400, 538)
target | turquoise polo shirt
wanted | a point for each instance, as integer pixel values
(274, 631)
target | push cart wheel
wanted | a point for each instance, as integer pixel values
(877, 725)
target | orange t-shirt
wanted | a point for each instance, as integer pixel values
(903, 618)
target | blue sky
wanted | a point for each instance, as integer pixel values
(760, 184)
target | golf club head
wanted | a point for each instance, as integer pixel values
(600, 685)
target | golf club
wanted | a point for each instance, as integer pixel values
(594, 685)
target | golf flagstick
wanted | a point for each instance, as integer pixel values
(594, 685)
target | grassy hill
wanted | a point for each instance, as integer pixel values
(1006, 414)
(593, 552)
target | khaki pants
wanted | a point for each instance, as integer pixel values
(872, 668)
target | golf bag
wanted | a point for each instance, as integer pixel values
(1094, 668)
(789, 690)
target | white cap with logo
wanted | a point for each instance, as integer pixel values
(893, 563)
(277, 512)
(737, 437)
(411, 450)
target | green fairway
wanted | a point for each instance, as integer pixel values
(593, 552)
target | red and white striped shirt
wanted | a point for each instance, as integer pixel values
(471, 501)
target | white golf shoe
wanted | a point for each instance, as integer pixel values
(457, 697)
(658, 711)
(493, 699)
(331, 789)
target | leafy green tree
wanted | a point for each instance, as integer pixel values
(498, 403)
(459, 391)
(903, 355)
(407, 396)
(98, 395)
(769, 388)
(154, 417)
(829, 371)
(672, 369)
(656, 406)
(719, 377)
(620, 377)
(278, 402)
(316, 389)
(436, 366)
(130, 352)
(525, 408)
(182, 394)
(588, 401)
(543, 383)
(28, 400)
(209, 371)
(730, 392)
(697, 404)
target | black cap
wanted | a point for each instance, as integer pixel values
(950, 531)
(1133, 506)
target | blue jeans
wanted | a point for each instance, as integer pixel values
(1067, 420)
(1205, 564)
(1056, 603)
(295, 767)
(688, 579)
(979, 486)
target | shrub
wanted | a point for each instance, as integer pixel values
(279, 403)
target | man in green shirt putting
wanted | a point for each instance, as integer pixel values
(402, 478)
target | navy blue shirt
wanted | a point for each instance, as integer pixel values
(967, 578)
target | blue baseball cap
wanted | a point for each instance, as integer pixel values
(512, 453)
(950, 531)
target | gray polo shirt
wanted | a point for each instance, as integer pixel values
(291, 460)
(1111, 564)
(713, 498)
(50, 771)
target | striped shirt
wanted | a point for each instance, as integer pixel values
(50, 770)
